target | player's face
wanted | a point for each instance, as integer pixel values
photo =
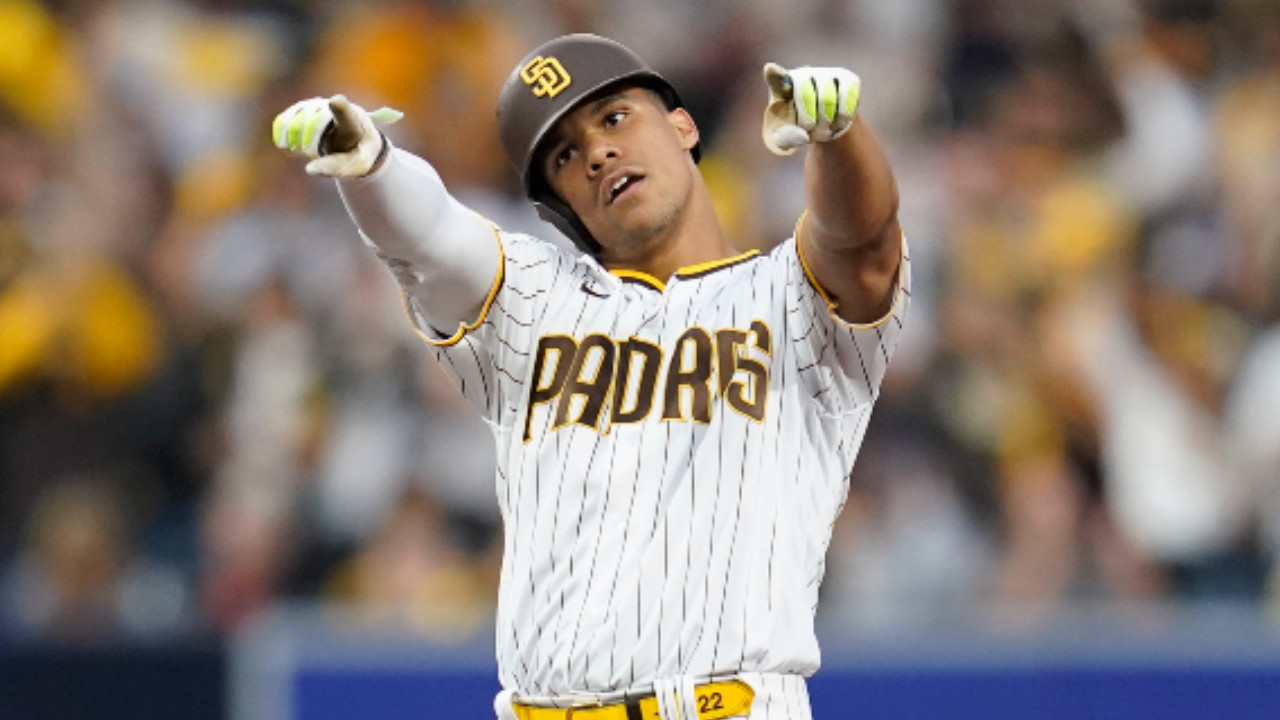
(622, 164)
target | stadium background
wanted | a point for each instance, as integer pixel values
(232, 486)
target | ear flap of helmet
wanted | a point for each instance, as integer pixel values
(552, 210)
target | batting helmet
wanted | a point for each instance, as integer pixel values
(545, 86)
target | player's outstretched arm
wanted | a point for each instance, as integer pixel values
(444, 255)
(850, 238)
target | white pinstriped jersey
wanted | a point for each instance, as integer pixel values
(670, 461)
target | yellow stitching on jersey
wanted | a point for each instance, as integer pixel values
(723, 394)
(567, 400)
(804, 265)
(657, 376)
(677, 365)
(897, 293)
(714, 264)
(554, 400)
(643, 277)
(764, 388)
(464, 328)
(413, 320)
(831, 306)
(683, 272)
(719, 386)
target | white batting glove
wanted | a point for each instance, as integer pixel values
(340, 136)
(808, 104)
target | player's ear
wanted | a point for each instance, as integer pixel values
(685, 127)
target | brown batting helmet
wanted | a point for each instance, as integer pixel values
(545, 86)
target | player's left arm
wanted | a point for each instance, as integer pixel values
(849, 239)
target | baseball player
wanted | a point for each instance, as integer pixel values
(675, 421)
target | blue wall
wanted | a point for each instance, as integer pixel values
(1215, 663)
(1049, 693)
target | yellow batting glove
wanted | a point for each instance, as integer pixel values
(340, 137)
(808, 104)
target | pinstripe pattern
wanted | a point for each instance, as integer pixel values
(658, 548)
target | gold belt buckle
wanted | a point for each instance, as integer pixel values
(586, 705)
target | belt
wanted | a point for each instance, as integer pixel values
(715, 701)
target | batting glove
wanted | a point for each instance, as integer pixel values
(808, 104)
(341, 137)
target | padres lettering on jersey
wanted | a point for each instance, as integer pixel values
(622, 377)
(671, 458)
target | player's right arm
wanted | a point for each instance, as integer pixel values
(850, 239)
(445, 256)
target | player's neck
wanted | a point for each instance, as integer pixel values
(695, 238)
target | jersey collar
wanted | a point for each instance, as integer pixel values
(687, 272)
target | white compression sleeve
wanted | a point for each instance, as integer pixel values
(445, 256)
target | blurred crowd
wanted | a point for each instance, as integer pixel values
(210, 400)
